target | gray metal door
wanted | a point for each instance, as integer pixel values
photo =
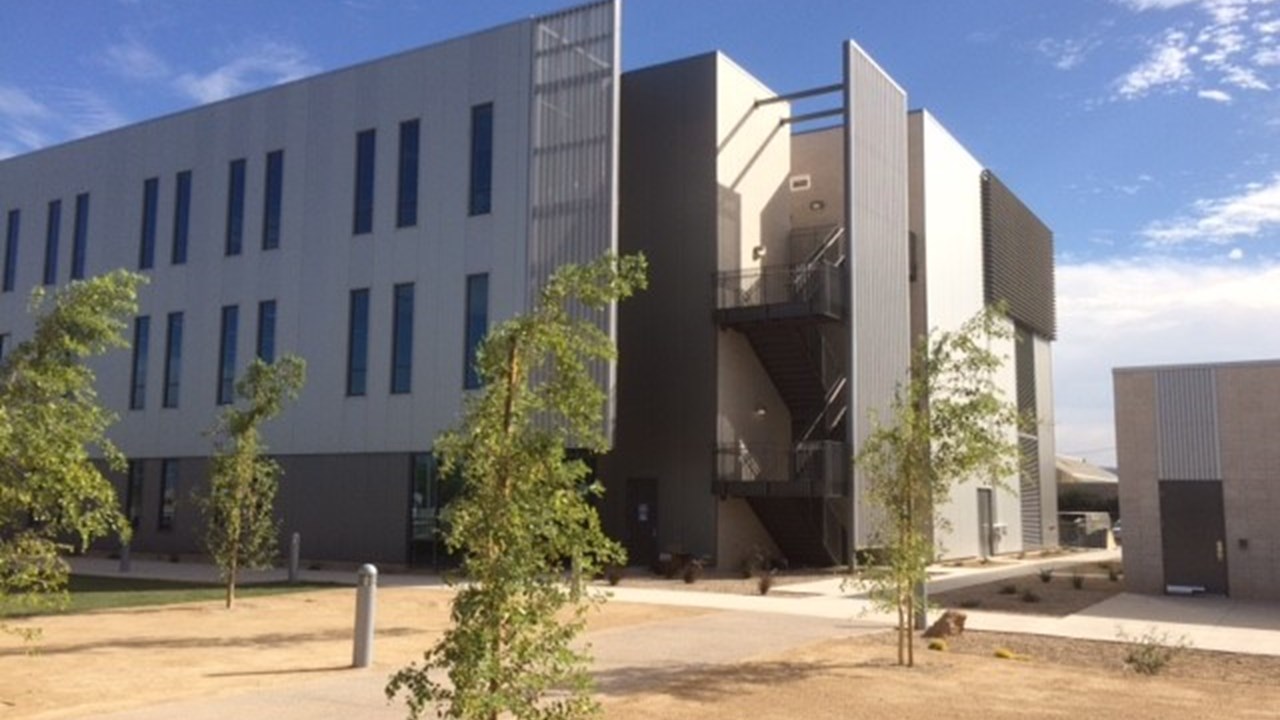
(642, 521)
(1193, 535)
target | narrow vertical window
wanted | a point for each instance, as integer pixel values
(235, 207)
(402, 339)
(362, 218)
(173, 360)
(4, 340)
(357, 341)
(168, 493)
(138, 368)
(407, 187)
(477, 326)
(150, 200)
(273, 197)
(266, 345)
(11, 250)
(80, 240)
(481, 194)
(181, 217)
(227, 354)
(133, 493)
(51, 242)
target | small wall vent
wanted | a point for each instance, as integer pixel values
(801, 182)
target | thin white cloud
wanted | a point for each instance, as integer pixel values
(87, 113)
(1235, 254)
(18, 104)
(1248, 213)
(1149, 312)
(1066, 54)
(1167, 64)
(1141, 5)
(134, 60)
(1268, 57)
(1214, 95)
(265, 64)
(1243, 78)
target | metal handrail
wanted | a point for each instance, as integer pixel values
(820, 464)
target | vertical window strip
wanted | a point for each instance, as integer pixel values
(4, 342)
(173, 360)
(273, 198)
(402, 340)
(168, 493)
(227, 355)
(80, 240)
(362, 215)
(138, 368)
(477, 325)
(11, 250)
(181, 217)
(481, 159)
(235, 207)
(266, 345)
(147, 245)
(51, 242)
(407, 187)
(358, 342)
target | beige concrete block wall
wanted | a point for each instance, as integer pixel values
(1136, 450)
(1249, 422)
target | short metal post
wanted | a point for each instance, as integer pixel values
(295, 551)
(126, 562)
(366, 595)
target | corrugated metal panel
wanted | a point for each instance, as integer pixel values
(1029, 492)
(574, 151)
(1187, 424)
(876, 140)
(1018, 258)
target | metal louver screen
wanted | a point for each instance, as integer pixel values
(1017, 258)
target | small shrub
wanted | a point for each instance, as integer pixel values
(938, 644)
(175, 558)
(692, 571)
(765, 583)
(970, 603)
(1046, 575)
(1029, 596)
(1005, 653)
(1077, 581)
(1022, 555)
(1008, 590)
(1152, 651)
(613, 574)
(1113, 574)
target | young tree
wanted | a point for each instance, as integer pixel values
(239, 509)
(949, 422)
(529, 537)
(52, 494)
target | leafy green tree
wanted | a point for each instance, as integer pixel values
(53, 497)
(239, 508)
(949, 422)
(523, 523)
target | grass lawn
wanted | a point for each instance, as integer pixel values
(99, 593)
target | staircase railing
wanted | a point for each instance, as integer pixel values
(818, 467)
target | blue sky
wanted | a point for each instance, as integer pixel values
(1146, 133)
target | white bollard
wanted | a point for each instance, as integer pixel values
(366, 595)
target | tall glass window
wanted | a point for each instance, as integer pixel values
(133, 493)
(11, 250)
(362, 217)
(266, 345)
(147, 246)
(273, 198)
(235, 207)
(173, 360)
(481, 194)
(407, 188)
(138, 368)
(51, 242)
(227, 354)
(80, 240)
(477, 326)
(358, 341)
(168, 493)
(402, 339)
(181, 217)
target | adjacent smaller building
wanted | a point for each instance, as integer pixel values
(1200, 467)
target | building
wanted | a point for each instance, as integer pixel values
(377, 219)
(1198, 489)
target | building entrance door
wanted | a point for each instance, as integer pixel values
(642, 521)
(1193, 535)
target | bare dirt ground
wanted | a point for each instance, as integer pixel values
(92, 663)
(1030, 594)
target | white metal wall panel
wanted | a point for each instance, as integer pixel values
(876, 142)
(1187, 431)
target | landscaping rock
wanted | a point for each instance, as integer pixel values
(951, 624)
